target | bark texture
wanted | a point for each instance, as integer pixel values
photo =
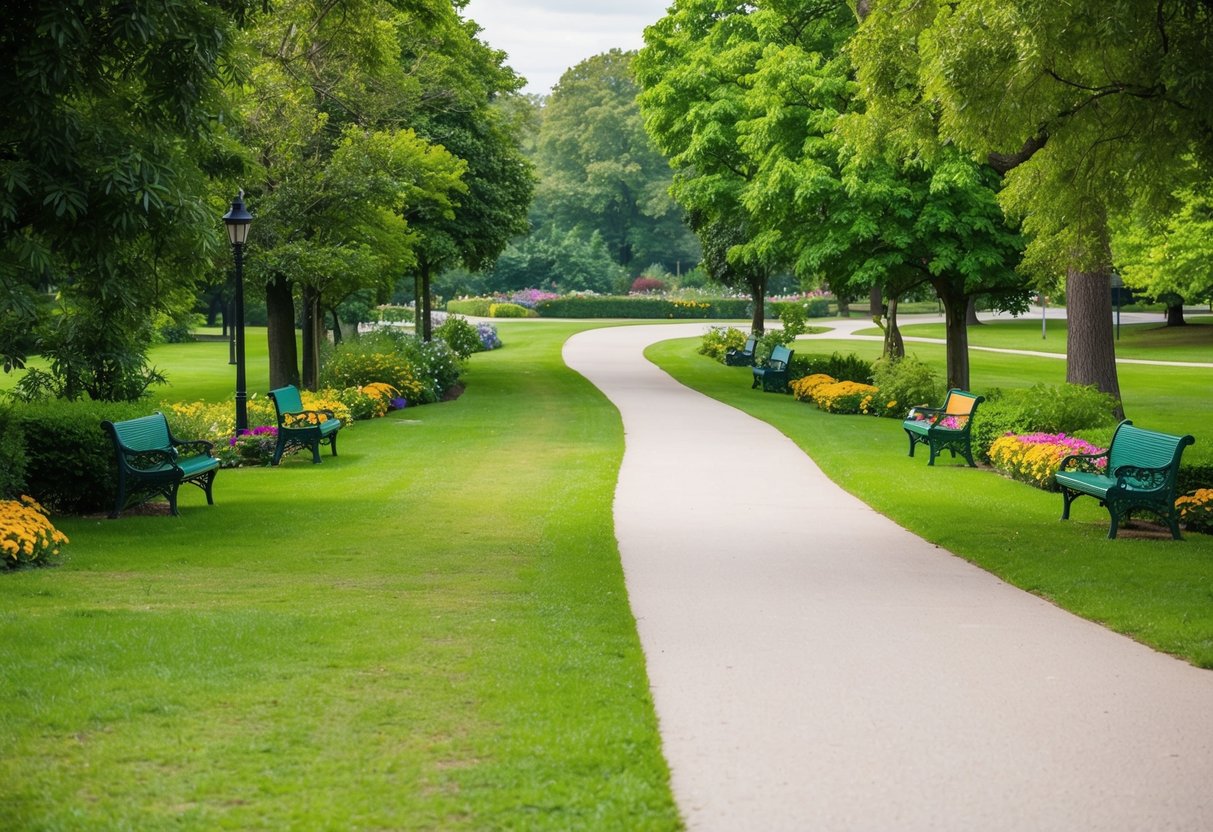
(280, 332)
(1090, 342)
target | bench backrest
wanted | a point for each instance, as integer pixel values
(780, 358)
(1132, 445)
(286, 400)
(750, 343)
(147, 433)
(961, 403)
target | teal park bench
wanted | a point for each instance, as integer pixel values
(149, 461)
(299, 428)
(743, 357)
(946, 428)
(1138, 472)
(772, 376)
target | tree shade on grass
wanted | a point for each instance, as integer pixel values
(429, 631)
(1156, 591)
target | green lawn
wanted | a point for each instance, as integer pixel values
(1150, 341)
(429, 631)
(1155, 590)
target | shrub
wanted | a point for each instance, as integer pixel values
(805, 388)
(435, 366)
(394, 314)
(1063, 408)
(509, 310)
(1196, 510)
(27, 537)
(647, 285)
(1035, 457)
(848, 367)
(846, 397)
(252, 447)
(718, 340)
(607, 306)
(370, 360)
(459, 335)
(475, 307)
(529, 297)
(69, 458)
(817, 308)
(905, 383)
(767, 344)
(12, 455)
(487, 333)
(215, 422)
(794, 320)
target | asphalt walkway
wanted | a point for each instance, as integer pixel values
(815, 667)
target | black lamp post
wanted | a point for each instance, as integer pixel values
(237, 221)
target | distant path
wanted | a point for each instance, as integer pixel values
(815, 667)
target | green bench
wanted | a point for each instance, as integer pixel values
(149, 461)
(299, 428)
(743, 357)
(772, 376)
(1139, 472)
(947, 428)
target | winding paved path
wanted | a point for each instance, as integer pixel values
(815, 667)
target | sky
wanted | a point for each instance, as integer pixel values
(545, 37)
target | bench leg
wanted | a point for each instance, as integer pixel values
(315, 451)
(333, 442)
(1067, 497)
(210, 483)
(171, 493)
(279, 447)
(912, 442)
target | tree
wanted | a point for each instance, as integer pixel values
(1090, 107)
(599, 171)
(108, 138)
(691, 74)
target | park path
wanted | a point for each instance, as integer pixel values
(816, 667)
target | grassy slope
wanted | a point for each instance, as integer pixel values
(429, 631)
(1154, 590)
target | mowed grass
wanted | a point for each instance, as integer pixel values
(429, 631)
(1142, 584)
(1152, 341)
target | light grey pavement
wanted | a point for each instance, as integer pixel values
(815, 667)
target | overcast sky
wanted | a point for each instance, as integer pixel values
(545, 37)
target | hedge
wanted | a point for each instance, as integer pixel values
(605, 306)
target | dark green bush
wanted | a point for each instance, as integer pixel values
(1042, 408)
(69, 458)
(720, 339)
(610, 306)
(848, 367)
(12, 455)
(908, 382)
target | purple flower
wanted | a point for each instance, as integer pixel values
(398, 403)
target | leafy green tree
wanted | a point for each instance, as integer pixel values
(569, 261)
(598, 170)
(692, 74)
(108, 138)
(1090, 107)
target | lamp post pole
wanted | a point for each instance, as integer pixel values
(237, 221)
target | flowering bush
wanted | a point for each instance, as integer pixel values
(214, 422)
(488, 336)
(846, 397)
(1196, 510)
(719, 340)
(459, 335)
(26, 534)
(805, 388)
(252, 447)
(907, 381)
(646, 285)
(369, 401)
(529, 297)
(355, 367)
(1035, 457)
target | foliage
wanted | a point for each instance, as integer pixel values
(849, 367)
(1035, 457)
(251, 447)
(571, 261)
(489, 340)
(460, 335)
(509, 310)
(1042, 408)
(1169, 251)
(848, 397)
(599, 170)
(769, 341)
(432, 367)
(354, 365)
(369, 401)
(1196, 510)
(647, 285)
(804, 389)
(215, 422)
(907, 382)
(718, 340)
(27, 536)
(113, 120)
(69, 458)
(12, 454)
(600, 306)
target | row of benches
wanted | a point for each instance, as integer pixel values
(152, 461)
(1138, 472)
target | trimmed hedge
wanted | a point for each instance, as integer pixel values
(475, 307)
(606, 306)
(12, 455)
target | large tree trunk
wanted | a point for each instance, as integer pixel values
(1175, 315)
(425, 302)
(758, 296)
(280, 333)
(955, 308)
(313, 328)
(971, 314)
(875, 302)
(894, 346)
(1090, 345)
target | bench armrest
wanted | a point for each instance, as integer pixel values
(1140, 478)
(926, 412)
(199, 445)
(1088, 463)
(143, 460)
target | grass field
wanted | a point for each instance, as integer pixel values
(429, 631)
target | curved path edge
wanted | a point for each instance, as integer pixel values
(816, 667)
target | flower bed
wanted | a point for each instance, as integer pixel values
(1035, 457)
(26, 534)
(1196, 510)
